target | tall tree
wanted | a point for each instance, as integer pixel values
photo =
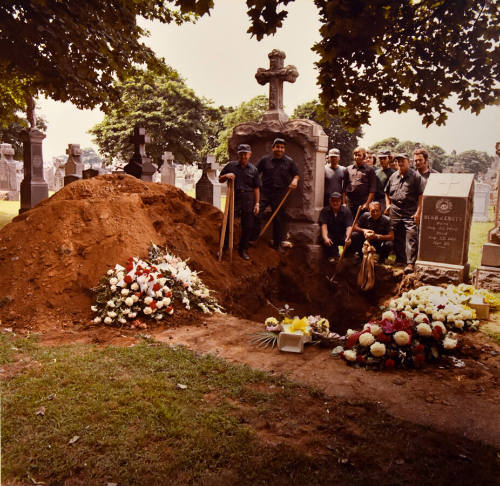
(247, 111)
(338, 136)
(404, 55)
(475, 161)
(11, 133)
(174, 117)
(73, 50)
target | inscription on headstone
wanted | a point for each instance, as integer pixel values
(445, 226)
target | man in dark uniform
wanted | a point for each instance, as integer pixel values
(334, 175)
(360, 182)
(383, 173)
(335, 221)
(279, 173)
(375, 228)
(421, 160)
(247, 194)
(404, 205)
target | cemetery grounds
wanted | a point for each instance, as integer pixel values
(194, 402)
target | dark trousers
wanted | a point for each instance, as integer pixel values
(333, 251)
(354, 205)
(383, 248)
(272, 200)
(243, 209)
(405, 236)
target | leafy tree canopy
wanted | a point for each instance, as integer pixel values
(11, 133)
(248, 111)
(73, 50)
(338, 136)
(403, 55)
(174, 118)
(474, 161)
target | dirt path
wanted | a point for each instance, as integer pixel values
(460, 400)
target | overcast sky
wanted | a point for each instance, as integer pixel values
(219, 59)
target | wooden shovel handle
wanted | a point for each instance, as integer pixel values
(224, 223)
(275, 213)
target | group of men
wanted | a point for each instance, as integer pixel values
(362, 202)
(388, 198)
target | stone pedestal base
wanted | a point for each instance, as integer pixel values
(434, 273)
(32, 193)
(13, 196)
(490, 256)
(487, 278)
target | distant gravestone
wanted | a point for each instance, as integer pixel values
(74, 166)
(13, 181)
(140, 165)
(208, 188)
(168, 169)
(58, 174)
(33, 186)
(6, 153)
(445, 228)
(481, 202)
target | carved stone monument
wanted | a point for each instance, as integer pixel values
(58, 174)
(140, 164)
(481, 202)
(208, 188)
(488, 273)
(74, 166)
(168, 169)
(6, 150)
(445, 228)
(306, 143)
(33, 187)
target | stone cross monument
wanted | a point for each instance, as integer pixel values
(168, 169)
(33, 186)
(74, 166)
(140, 165)
(276, 75)
(208, 188)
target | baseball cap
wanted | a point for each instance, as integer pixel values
(334, 152)
(384, 153)
(402, 155)
(243, 147)
(335, 195)
(279, 140)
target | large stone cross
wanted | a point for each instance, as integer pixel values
(139, 139)
(168, 159)
(276, 75)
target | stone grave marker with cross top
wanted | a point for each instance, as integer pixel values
(208, 188)
(445, 228)
(168, 169)
(140, 164)
(276, 75)
(74, 166)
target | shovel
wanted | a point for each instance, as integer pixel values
(331, 279)
(274, 214)
(228, 214)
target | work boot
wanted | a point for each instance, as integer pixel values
(243, 254)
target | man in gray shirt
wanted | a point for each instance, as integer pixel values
(334, 175)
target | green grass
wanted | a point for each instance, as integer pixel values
(8, 210)
(136, 426)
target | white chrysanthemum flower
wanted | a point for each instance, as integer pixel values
(129, 301)
(125, 291)
(408, 314)
(350, 355)
(424, 329)
(148, 300)
(388, 315)
(113, 281)
(112, 314)
(421, 307)
(449, 343)
(171, 311)
(110, 272)
(350, 332)
(135, 286)
(459, 324)
(122, 320)
(113, 288)
(440, 325)
(93, 308)
(162, 281)
(402, 338)
(159, 293)
(159, 317)
(108, 320)
(97, 320)
(366, 339)
(375, 329)
(120, 275)
(147, 310)
(159, 304)
(421, 318)
(166, 301)
(110, 303)
(125, 311)
(392, 304)
(132, 315)
(377, 349)
(135, 298)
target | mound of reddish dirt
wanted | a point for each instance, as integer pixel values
(52, 255)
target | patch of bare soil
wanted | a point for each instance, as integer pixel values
(462, 401)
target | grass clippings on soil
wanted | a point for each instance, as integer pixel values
(156, 414)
